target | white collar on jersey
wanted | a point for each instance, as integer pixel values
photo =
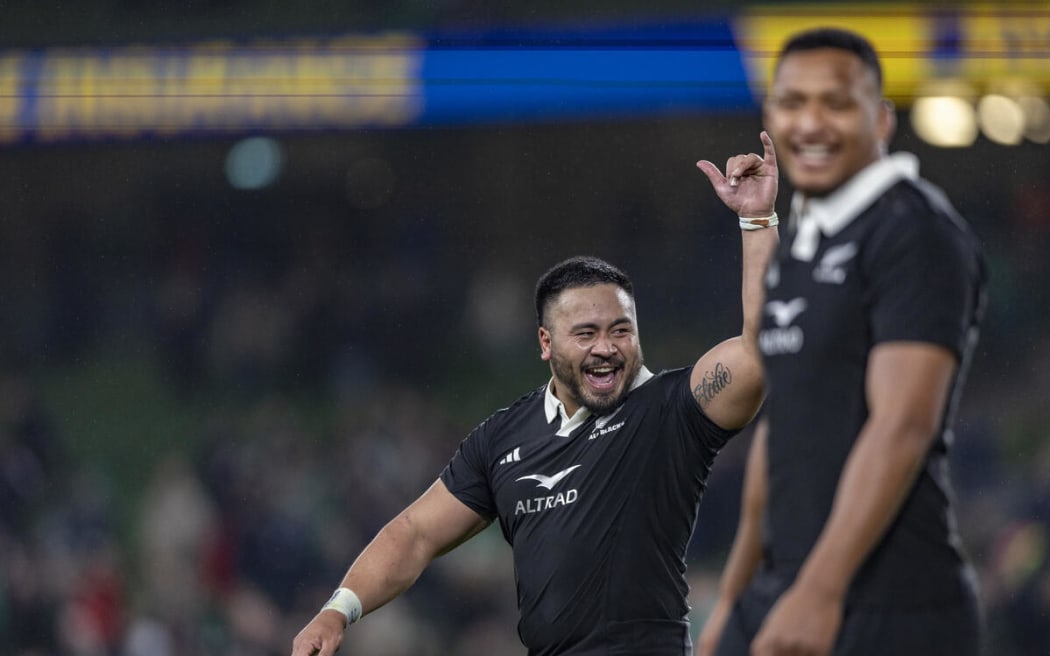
(555, 408)
(837, 210)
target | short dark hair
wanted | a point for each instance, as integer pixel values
(579, 271)
(840, 39)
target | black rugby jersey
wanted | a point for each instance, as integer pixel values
(901, 265)
(600, 518)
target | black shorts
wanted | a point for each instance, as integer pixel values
(947, 630)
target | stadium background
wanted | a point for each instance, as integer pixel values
(234, 344)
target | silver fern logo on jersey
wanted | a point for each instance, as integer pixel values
(773, 274)
(603, 427)
(831, 268)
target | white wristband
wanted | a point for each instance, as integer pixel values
(346, 602)
(759, 224)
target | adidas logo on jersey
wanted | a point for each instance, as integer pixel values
(513, 456)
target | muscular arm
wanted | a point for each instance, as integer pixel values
(907, 387)
(746, 552)
(728, 381)
(434, 524)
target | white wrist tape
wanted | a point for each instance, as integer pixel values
(759, 224)
(346, 602)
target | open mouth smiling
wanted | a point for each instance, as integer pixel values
(603, 377)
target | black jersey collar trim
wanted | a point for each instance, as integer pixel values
(837, 210)
(555, 408)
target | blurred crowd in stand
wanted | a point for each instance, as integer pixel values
(328, 367)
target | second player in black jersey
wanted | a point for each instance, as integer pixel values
(848, 543)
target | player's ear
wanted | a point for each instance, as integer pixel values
(545, 343)
(887, 122)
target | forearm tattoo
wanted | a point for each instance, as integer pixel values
(712, 383)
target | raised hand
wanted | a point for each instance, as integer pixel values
(749, 186)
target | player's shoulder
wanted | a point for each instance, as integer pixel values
(527, 405)
(915, 215)
(920, 207)
(667, 377)
(663, 385)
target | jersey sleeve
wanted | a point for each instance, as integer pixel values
(466, 475)
(694, 423)
(922, 277)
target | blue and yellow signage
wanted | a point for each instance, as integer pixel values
(982, 44)
(391, 80)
